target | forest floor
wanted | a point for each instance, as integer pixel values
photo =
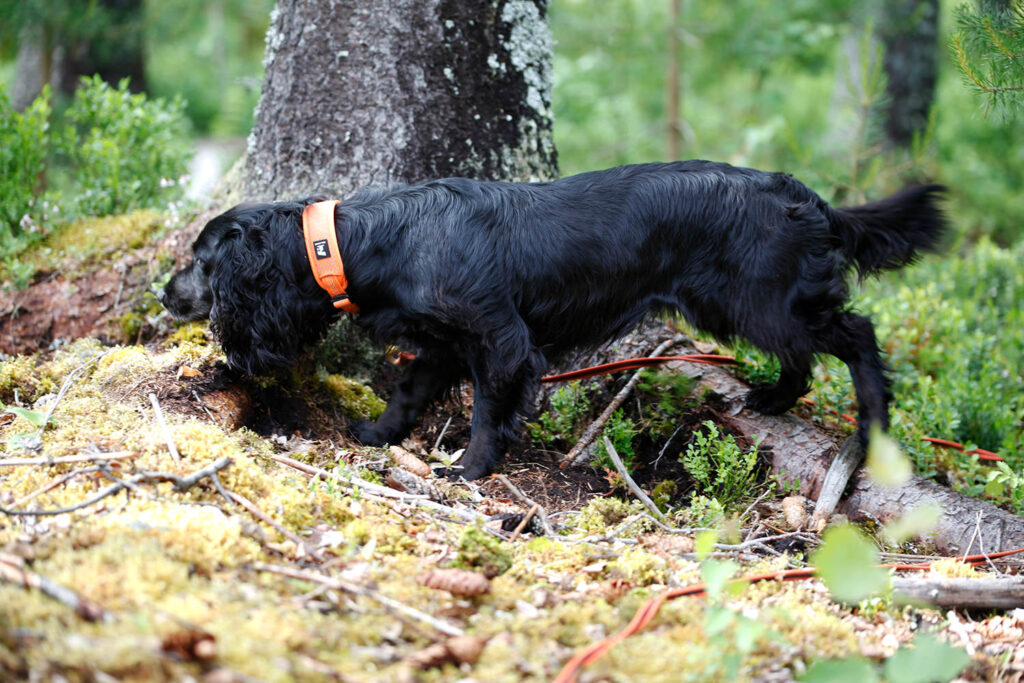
(165, 519)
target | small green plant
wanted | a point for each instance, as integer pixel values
(126, 151)
(1004, 482)
(720, 468)
(569, 403)
(620, 430)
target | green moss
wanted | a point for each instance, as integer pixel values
(600, 514)
(89, 239)
(18, 376)
(355, 398)
(479, 550)
(640, 567)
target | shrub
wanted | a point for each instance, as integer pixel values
(569, 403)
(22, 161)
(126, 151)
(721, 470)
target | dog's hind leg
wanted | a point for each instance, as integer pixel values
(793, 382)
(851, 338)
(424, 381)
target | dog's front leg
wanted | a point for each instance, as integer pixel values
(425, 380)
(502, 394)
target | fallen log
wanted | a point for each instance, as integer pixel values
(1000, 593)
(801, 452)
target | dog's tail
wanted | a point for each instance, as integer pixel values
(891, 232)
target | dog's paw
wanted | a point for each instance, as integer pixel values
(768, 400)
(474, 472)
(368, 433)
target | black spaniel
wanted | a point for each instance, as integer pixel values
(492, 281)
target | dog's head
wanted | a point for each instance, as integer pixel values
(249, 275)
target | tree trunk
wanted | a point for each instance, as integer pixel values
(361, 92)
(909, 31)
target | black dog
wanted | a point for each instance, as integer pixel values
(492, 281)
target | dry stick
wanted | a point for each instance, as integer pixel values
(393, 606)
(180, 484)
(847, 460)
(12, 569)
(258, 514)
(541, 515)
(437, 444)
(81, 457)
(63, 479)
(68, 381)
(578, 454)
(524, 521)
(637, 491)
(999, 593)
(355, 482)
(163, 427)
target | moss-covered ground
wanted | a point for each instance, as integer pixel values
(316, 578)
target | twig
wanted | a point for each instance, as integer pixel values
(64, 459)
(524, 521)
(258, 514)
(393, 606)
(202, 405)
(665, 447)
(637, 491)
(350, 484)
(180, 484)
(752, 506)
(437, 444)
(68, 381)
(522, 498)
(974, 535)
(64, 478)
(577, 455)
(163, 428)
(13, 570)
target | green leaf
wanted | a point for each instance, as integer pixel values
(917, 522)
(928, 660)
(717, 619)
(34, 416)
(849, 670)
(847, 563)
(716, 574)
(704, 543)
(887, 466)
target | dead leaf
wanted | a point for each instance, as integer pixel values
(794, 508)
(410, 462)
(188, 373)
(457, 650)
(456, 581)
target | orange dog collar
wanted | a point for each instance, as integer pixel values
(324, 254)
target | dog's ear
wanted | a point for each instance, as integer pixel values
(261, 315)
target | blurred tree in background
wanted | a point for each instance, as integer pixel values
(909, 30)
(60, 40)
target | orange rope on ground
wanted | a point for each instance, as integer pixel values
(634, 363)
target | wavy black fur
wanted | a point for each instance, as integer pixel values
(492, 281)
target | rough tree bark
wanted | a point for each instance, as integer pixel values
(361, 92)
(909, 31)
